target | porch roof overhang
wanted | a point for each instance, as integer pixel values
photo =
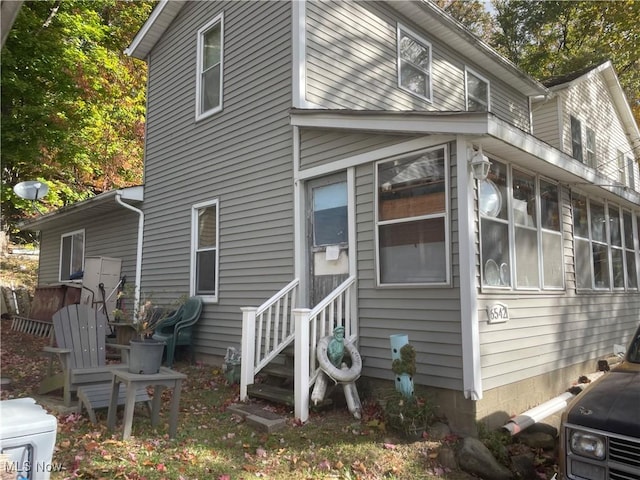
(87, 209)
(498, 138)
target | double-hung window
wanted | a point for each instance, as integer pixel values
(477, 89)
(204, 250)
(210, 68)
(412, 230)
(520, 232)
(604, 245)
(71, 254)
(576, 139)
(414, 63)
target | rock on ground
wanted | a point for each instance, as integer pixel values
(475, 458)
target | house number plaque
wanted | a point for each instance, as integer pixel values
(498, 313)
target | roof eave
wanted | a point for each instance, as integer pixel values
(132, 194)
(155, 26)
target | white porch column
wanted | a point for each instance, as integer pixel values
(301, 370)
(471, 370)
(248, 353)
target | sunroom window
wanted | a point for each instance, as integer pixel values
(477, 92)
(204, 257)
(604, 244)
(412, 219)
(414, 63)
(520, 235)
(210, 71)
(71, 255)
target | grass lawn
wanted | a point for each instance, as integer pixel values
(212, 442)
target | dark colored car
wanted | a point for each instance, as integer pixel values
(600, 431)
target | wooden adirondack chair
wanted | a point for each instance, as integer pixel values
(80, 333)
(176, 329)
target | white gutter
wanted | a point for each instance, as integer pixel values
(119, 194)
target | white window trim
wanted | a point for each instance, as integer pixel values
(71, 234)
(401, 28)
(468, 70)
(587, 151)
(194, 249)
(199, 114)
(446, 215)
(511, 226)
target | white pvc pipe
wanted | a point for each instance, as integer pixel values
(534, 415)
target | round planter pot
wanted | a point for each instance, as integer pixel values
(145, 356)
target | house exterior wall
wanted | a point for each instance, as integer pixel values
(352, 64)
(241, 156)
(550, 339)
(430, 316)
(590, 101)
(113, 234)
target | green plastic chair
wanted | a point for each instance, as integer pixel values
(176, 329)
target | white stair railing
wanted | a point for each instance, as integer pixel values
(266, 331)
(337, 309)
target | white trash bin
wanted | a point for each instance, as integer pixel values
(27, 438)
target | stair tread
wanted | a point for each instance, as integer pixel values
(271, 393)
(277, 370)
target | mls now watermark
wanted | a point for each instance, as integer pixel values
(30, 470)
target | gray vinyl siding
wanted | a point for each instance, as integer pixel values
(352, 64)
(319, 147)
(429, 316)
(546, 124)
(113, 234)
(590, 102)
(549, 331)
(241, 156)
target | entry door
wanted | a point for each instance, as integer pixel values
(327, 235)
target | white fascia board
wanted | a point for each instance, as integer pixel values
(396, 122)
(155, 26)
(135, 194)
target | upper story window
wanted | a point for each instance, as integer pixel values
(576, 139)
(71, 255)
(520, 231)
(210, 71)
(604, 245)
(412, 219)
(477, 92)
(414, 63)
(591, 148)
(622, 168)
(204, 250)
(632, 178)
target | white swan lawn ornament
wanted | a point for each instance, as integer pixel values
(344, 374)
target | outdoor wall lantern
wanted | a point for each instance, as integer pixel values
(480, 165)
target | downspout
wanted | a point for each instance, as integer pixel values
(139, 246)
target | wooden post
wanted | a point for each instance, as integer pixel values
(248, 352)
(301, 371)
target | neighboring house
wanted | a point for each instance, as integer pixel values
(327, 142)
(107, 225)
